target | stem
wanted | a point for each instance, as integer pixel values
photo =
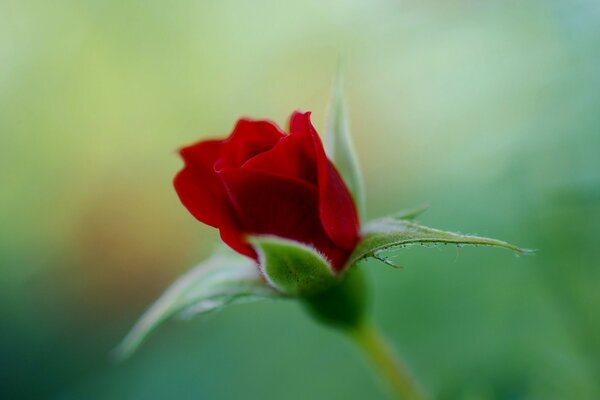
(370, 340)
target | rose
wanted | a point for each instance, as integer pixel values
(261, 181)
(278, 199)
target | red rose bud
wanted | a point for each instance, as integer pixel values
(262, 181)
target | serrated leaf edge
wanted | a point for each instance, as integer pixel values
(467, 240)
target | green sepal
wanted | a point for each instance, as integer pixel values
(293, 268)
(223, 279)
(390, 233)
(410, 213)
(339, 146)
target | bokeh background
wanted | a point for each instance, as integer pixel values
(489, 111)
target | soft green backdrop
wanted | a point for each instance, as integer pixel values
(487, 110)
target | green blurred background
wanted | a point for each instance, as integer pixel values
(490, 111)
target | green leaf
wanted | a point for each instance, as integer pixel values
(223, 279)
(390, 233)
(339, 146)
(293, 268)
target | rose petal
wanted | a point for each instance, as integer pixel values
(249, 138)
(199, 188)
(281, 206)
(336, 207)
(235, 240)
(292, 156)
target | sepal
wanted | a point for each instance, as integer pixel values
(339, 146)
(382, 238)
(293, 268)
(223, 279)
(410, 213)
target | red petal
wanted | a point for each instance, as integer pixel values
(282, 206)
(293, 156)
(249, 138)
(336, 207)
(235, 240)
(300, 122)
(199, 188)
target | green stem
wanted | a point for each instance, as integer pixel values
(370, 340)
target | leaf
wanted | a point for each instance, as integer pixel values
(389, 233)
(224, 278)
(293, 268)
(339, 146)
